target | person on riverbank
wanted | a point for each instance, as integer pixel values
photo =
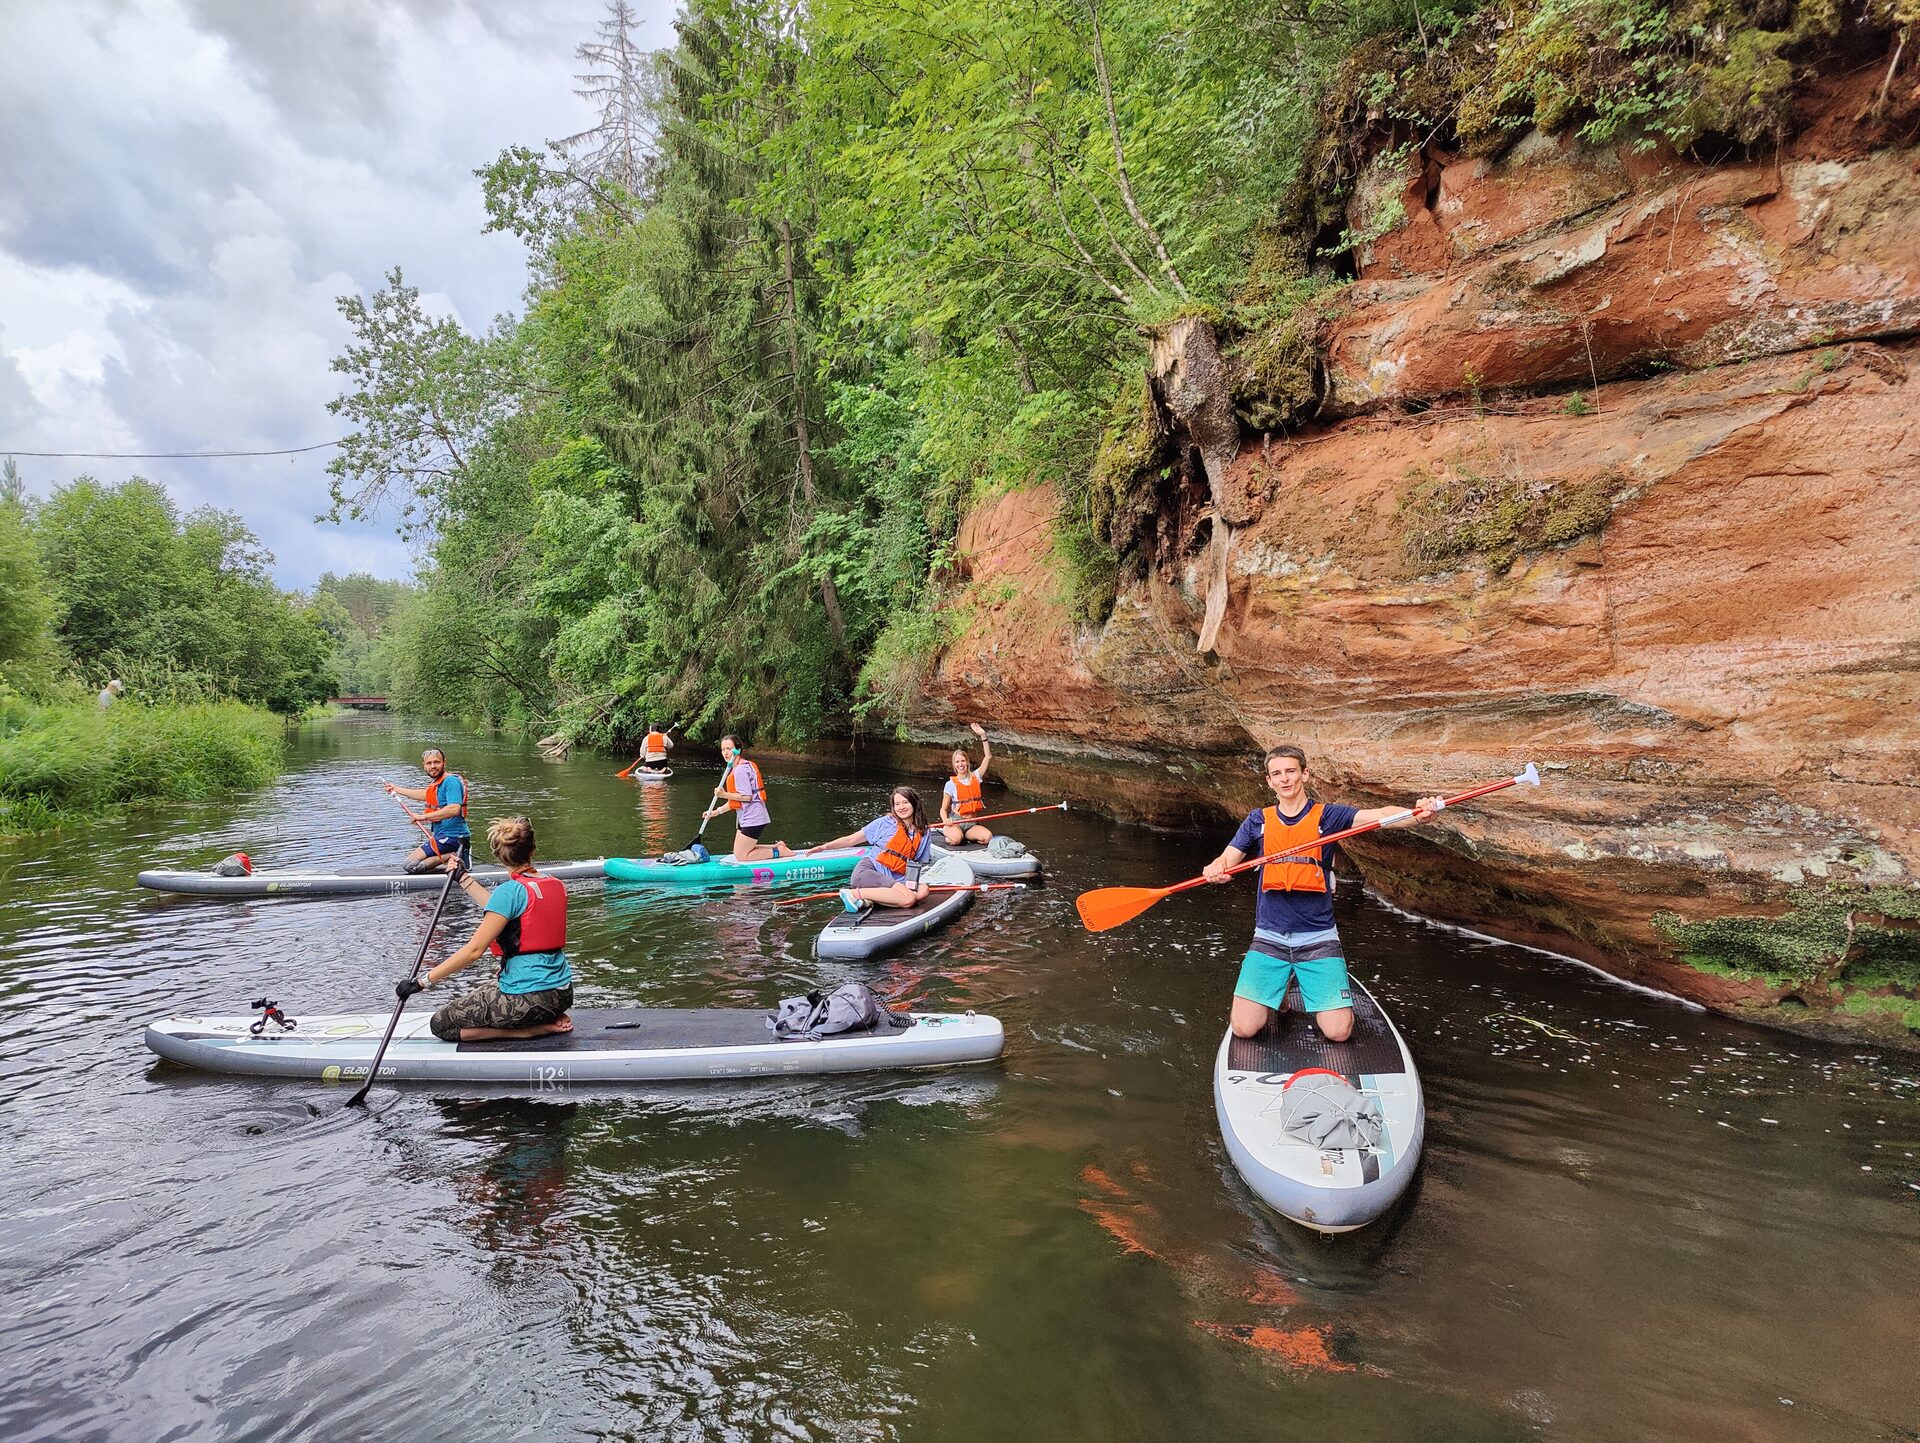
(525, 925)
(1293, 928)
(654, 749)
(110, 693)
(443, 808)
(960, 798)
(898, 846)
(745, 791)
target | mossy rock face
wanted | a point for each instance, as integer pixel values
(1851, 948)
(1486, 507)
(1276, 372)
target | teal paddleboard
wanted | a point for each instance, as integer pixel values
(834, 866)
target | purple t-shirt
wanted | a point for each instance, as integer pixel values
(880, 831)
(743, 780)
(1285, 912)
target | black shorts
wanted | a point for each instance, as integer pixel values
(752, 834)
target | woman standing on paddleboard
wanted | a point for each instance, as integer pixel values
(745, 791)
(525, 926)
(1293, 930)
(898, 845)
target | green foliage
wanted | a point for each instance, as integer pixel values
(139, 591)
(24, 612)
(1577, 405)
(67, 760)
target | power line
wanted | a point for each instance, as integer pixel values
(165, 455)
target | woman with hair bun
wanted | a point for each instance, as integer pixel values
(525, 926)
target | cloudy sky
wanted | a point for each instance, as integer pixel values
(187, 185)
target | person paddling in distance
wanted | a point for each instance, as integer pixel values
(898, 845)
(1293, 929)
(745, 791)
(525, 926)
(960, 798)
(443, 807)
(653, 751)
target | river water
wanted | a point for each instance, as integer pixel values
(1635, 1220)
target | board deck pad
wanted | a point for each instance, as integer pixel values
(1290, 1042)
(621, 1028)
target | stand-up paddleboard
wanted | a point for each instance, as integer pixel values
(346, 881)
(977, 856)
(873, 930)
(618, 1045)
(724, 871)
(1267, 1089)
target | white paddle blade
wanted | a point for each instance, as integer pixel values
(1530, 777)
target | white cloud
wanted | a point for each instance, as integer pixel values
(188, 185)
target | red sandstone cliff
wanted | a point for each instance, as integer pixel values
(1692, 594)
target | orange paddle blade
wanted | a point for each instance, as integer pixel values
(1107, 907)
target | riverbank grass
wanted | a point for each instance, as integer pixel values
(68, 761)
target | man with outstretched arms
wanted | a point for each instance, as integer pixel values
(1293, 931)
(443, 810)
(745, 793)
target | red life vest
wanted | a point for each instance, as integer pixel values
(966, 796)
(1306, 872)
(902, 851)
(543, 926)
(758, 789)
(655, 746)
(433, 793)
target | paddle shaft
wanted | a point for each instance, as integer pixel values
(996, 816)
(936, 887)
(411, 816)
(400, 1006)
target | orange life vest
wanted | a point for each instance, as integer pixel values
(433, 794)
(655, 746)
(758, 789)
(1306, 872)
(543, 926)
(902, 851)
(966, 796)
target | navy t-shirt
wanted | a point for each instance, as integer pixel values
(1291, 911)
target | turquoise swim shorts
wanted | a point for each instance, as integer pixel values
(1316, 958)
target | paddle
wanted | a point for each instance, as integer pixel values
(1108, 907)
(937, 887)
(996, 816)
(412, 816)
(627, 770)
(360, 1097)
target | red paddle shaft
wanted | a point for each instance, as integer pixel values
(996, 816)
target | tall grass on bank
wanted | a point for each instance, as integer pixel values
(64, 761)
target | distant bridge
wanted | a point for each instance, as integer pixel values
(361, 703)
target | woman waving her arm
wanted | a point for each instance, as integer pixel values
(960, 798)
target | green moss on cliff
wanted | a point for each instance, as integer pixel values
(1859, 943)
(1478, 506)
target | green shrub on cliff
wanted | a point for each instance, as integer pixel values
(1861, 939)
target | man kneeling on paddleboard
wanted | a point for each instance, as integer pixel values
(525, 926)
(1293, 930)
(442, 816)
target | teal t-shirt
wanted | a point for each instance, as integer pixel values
(452, 792)
(530, 971)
